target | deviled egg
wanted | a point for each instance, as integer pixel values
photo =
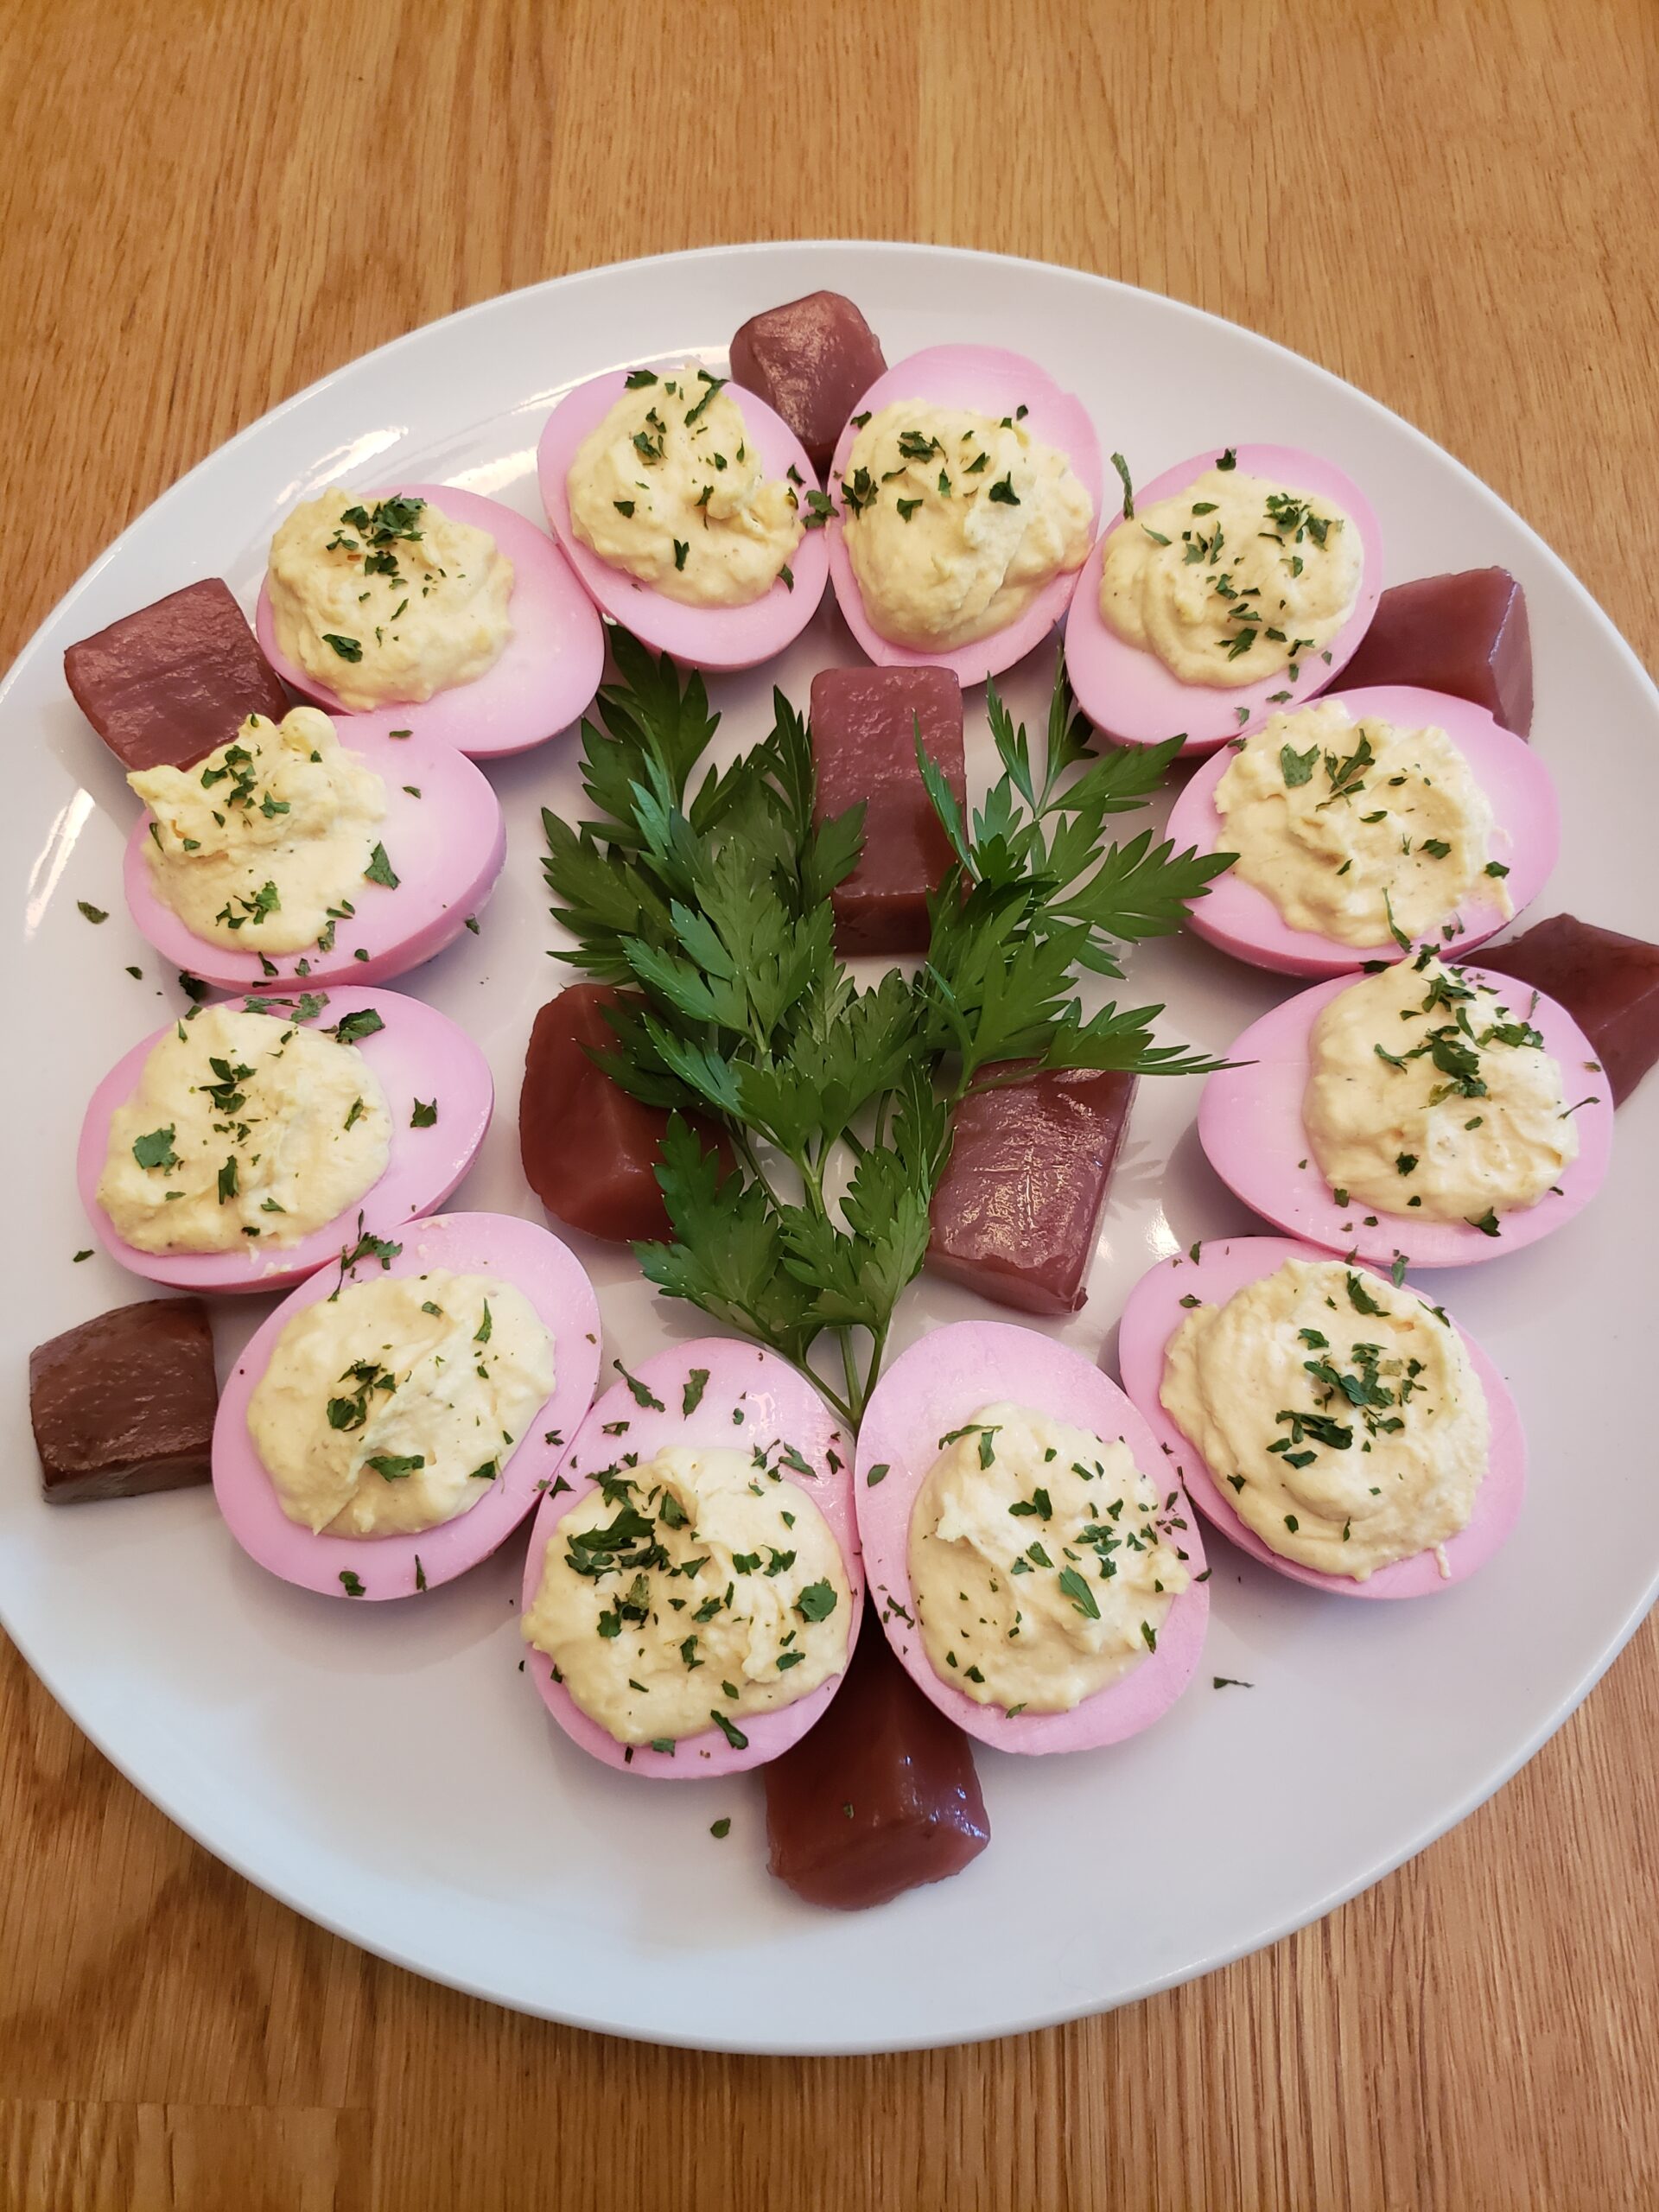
(1429, 1113)
(687, 509)
(965, 489)
(235, 1149)
(1363, 814)
(306, 852)
(450, 607)
(1327, 1419)
(693, 1588)
(1233, 584)
(1033, 1562)
(398, 1414)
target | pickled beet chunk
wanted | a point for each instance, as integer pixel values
(1017, 1209)
(168, 685)
(864, 745)
(124, 1403)
(880, 1796)
(589, 1147)
(811, 360)
(1465, 633)
(1608, 983)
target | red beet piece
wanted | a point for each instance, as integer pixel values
(811, 360)
(174, 680)
(1608, 983)
(124, 1403)
(1465, 633)
(880, 1796)
(1018, 1208)
(864, 745)
(589, 1147)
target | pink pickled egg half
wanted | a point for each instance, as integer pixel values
(548, 669)
(521, 1253)
(1127, 691)
(1250, 1126)
(714, 638)
(1152, 1315)
(937, 1386)
(991, 381)
(444, 836)
(711, 1391)
(417, 1054)
(1525, 837)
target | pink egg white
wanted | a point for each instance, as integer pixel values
(931, 1390)
(548, 669)
(712, 1391)
(1526, 839)
(418, 1055)
(1153, 1314)
(992, 381)
(1127, 692)
(443, 837)
(501, 1246)
(714, 638)
(1251, 1128)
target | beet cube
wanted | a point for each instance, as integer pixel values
(880, 1796)
(124, 1403)
(864, 745)
(1465, 633)
(1608, 983)
(589, 1147)
(1018, 1208)
(811, 360)
(169, 685)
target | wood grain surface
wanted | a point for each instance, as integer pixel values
(203, 206)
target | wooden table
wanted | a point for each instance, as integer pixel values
(203, 206)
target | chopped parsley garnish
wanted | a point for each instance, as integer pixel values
(1082, 1597)
(1122, 469)
(380, 869)
(641, 1393)
(347, 648)
(393, 1465)
(155, 1149)
(424, 1113)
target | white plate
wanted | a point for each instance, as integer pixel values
(386, 1771)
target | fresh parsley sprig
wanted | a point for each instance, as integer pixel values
(706, 898)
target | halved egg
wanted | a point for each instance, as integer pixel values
(1133, 696)
(1251, 1128)
(499, 1247)
(439, 1095)
(928, 1399)
(713, 1393)
(716, 638)
(1525, 839)
(548, 672)
(991, 381)
(444, 840)
(1210, 1275)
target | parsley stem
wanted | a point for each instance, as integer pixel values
(856, 1394)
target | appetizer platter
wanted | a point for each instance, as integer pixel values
(694, 933)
